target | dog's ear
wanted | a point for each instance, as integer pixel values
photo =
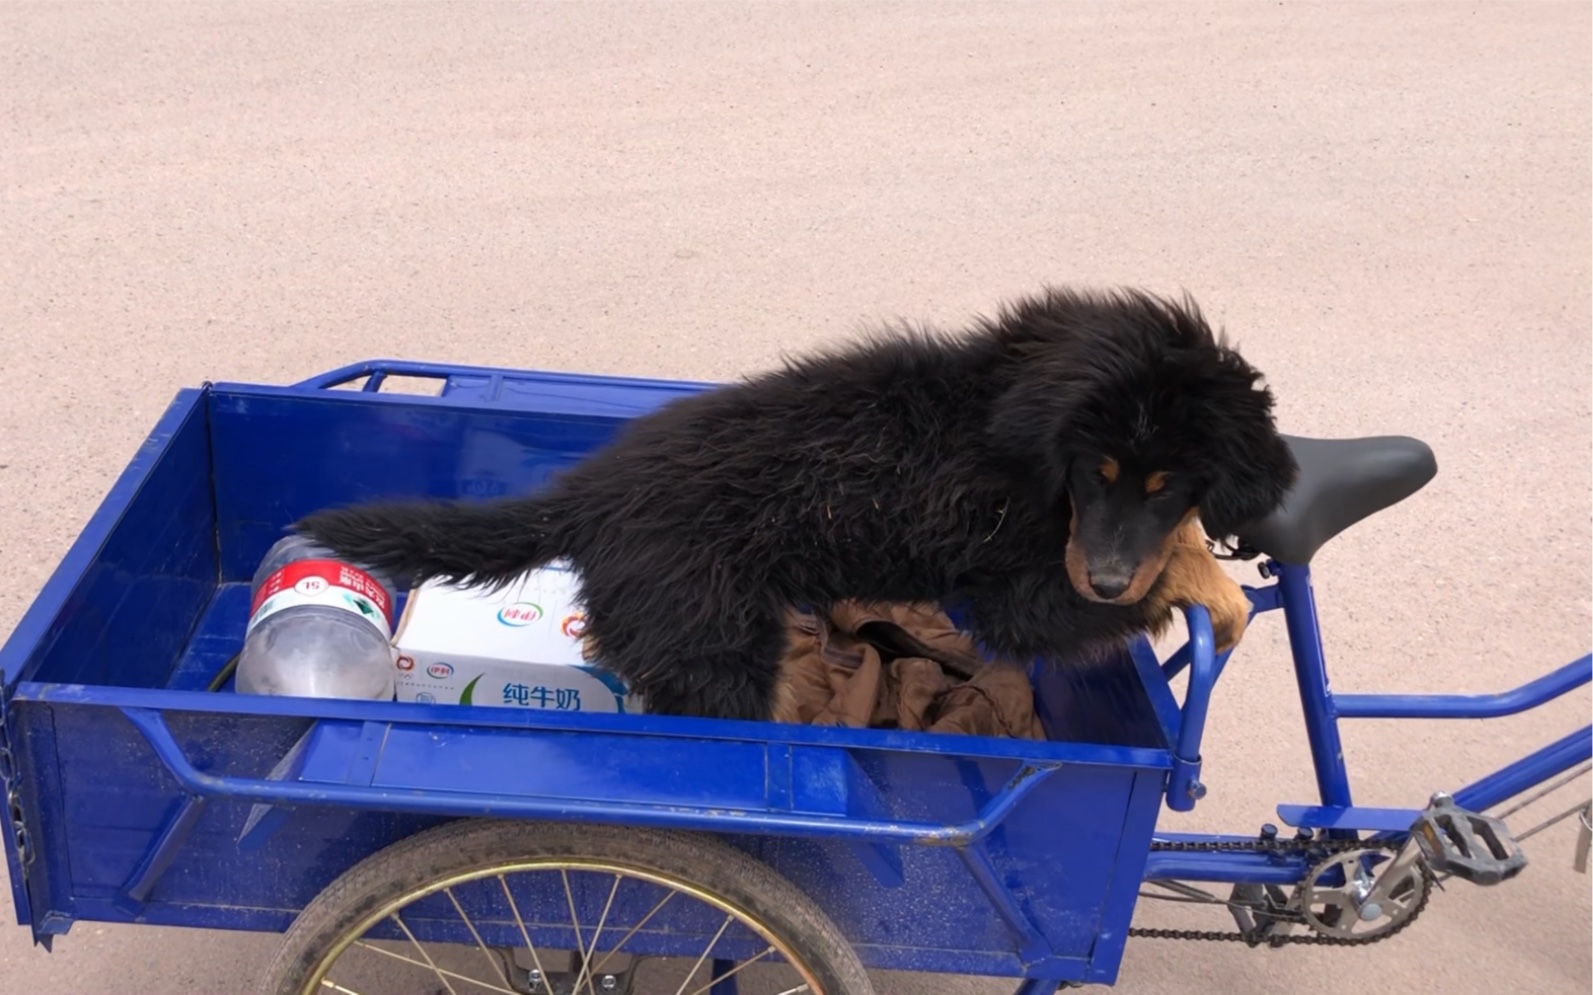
(1029, 423)
(1251, 468)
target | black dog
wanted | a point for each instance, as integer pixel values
(1044, 469)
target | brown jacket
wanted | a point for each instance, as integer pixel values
(899, 666)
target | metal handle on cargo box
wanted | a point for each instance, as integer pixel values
(1183, 784)
(379, 370)
(673, 816)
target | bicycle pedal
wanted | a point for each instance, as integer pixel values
(1475, 847)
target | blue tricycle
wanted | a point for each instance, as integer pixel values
(408, 847)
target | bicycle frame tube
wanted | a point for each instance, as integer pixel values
(1310, 673)
(1293, 594)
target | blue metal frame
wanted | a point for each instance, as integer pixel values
(875, 837)
(1183, 785)
(1310, 673)
(1323, 710)
(1466, 706)
(1337, 815)
(376, 372)
(681, 815)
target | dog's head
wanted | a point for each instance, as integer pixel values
(1132, 417)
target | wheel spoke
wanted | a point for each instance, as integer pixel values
(337, 988)
(633, 931)
(575, 920)
(524, 933)
(442, 972)
(704, 956)
(734, 970)
(587, 974)
(492, 958)
(435, 969)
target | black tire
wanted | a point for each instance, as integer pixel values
(742, 884)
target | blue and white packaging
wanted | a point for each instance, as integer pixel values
(520, 647)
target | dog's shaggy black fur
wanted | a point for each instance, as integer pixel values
(915, 467)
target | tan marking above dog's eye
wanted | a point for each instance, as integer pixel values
(1155, 482)
(1109, 470)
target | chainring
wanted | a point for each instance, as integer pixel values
(1338, 919)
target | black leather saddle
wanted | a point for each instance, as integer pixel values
(1341, 482)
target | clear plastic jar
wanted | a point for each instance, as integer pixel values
(319, 627)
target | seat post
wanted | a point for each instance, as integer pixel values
(1310, 672)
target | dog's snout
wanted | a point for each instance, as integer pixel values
(1109, 583)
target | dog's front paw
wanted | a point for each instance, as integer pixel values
(1230, 614)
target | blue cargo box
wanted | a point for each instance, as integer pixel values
(139, 796)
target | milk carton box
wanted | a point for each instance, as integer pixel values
(519, 647)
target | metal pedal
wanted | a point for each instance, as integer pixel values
(1477, 848)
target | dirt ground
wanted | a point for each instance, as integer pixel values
(1387, 205)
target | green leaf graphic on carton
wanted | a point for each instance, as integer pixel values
(468, 695)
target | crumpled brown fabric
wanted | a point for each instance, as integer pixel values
(899, 666)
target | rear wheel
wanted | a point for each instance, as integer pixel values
(556, 909)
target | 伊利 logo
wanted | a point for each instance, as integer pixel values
(519, 614)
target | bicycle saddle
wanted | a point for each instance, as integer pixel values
(1341, 482)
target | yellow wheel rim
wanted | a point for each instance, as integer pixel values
(494, 975)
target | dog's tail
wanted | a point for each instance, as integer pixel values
(485, 544)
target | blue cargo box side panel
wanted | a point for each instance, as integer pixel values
(229, 468)
(1068, 855)
(122, 604)
(280, 456)
(117, 610)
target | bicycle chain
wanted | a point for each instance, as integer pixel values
(1326, 847)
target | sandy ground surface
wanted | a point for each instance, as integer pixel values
(1388, 206)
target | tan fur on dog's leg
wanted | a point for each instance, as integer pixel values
(1193, 577)
(785, 707)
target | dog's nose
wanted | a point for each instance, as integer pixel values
(1109, 585)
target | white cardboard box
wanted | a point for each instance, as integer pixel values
(517, 648)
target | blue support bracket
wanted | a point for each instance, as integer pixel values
(1349, 817)
(1184, 788)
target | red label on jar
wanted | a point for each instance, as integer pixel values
(313, 579)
